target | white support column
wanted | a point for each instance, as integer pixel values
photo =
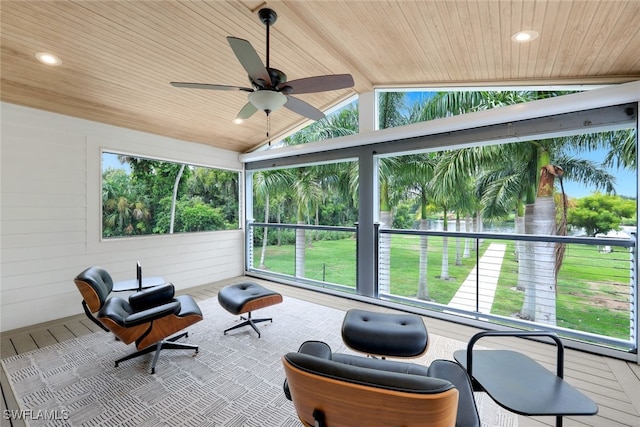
(367, 108)
(368, 196)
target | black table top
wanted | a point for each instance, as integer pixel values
(518, 383)
(132, 284)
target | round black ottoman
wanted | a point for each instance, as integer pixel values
(246, 297)
(385, 334)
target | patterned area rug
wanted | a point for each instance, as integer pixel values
(235, 379)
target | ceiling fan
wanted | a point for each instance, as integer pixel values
(270, 89)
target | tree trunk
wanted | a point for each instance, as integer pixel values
(527, 268)
(544, 221)
(301, 243)
(458, 254)
(519, 227)
(423, 290)
(279, 232)
(316, 234)
(265, 231)
(545, 261)
(519, 244)
(479, 229)
(467, 241)
(444, 270)
(174, 199)
(384, 261)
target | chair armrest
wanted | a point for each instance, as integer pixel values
(479, 335)
(150, 314)
(152, 297)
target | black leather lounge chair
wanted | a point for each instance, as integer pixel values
(148, 317)
(341, 390)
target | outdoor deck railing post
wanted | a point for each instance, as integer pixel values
(249, 244)
(477, 275)
(633, 294)
(357, 258)
(628, 296)
(376, 259)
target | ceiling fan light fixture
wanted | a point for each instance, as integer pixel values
(267, 100)
(525, 36)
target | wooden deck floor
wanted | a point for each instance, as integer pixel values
(612, 383)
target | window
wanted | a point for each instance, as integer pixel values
(413, 106)
(145, 196)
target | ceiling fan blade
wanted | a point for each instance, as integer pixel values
(247, 111)
(319, 83)
(298, 106)
(208, 86)
(250, 60)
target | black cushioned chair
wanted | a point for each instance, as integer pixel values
(148, 317)
(341, 390)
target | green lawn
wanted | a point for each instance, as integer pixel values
(592, 286)
(591, 290)
(336, 259)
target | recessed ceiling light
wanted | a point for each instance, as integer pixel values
(237, 121)
(524, 36)
(48, 58)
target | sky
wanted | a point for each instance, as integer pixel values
(110, 160)
(626, 181)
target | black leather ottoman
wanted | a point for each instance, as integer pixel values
(385, 334)
(246, 297)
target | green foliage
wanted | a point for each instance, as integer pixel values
(341, 123)
(217, 188)
(195, 215)
(157, 177)
(140, 202)
(404, 216)
(600, 213)
(125, 209)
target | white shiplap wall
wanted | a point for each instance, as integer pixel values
(50, 215)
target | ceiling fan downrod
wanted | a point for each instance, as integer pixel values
(268, 17)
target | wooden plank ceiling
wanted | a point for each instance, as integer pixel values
(118, 57)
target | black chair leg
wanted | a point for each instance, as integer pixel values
(249, 321)
(168, 344)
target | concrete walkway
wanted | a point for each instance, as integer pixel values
(490, 264)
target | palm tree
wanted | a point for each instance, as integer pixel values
(451, 189)
(266, 183)
(622, 151)
(516, 180)
(415, 172)
(125, 210)
(529, 158)
(390, 115)
(307, 182)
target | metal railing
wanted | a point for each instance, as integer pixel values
(504, 279)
